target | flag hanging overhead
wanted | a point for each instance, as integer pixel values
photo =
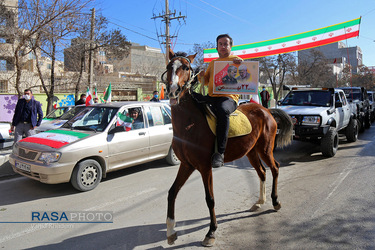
(306, 40)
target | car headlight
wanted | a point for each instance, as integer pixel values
(49, 157)
(311, 120)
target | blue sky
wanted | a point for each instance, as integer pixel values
(247, 21)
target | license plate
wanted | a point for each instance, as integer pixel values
(23, 166)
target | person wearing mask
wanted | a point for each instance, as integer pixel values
(155, 97)
(27, 116)
(223, 104)
(82, 100)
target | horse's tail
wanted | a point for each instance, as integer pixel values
(284, 126)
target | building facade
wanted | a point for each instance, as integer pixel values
(338, 54)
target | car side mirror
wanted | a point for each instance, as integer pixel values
(116, 130)
(338, 104)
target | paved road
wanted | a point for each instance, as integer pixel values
(326, 203)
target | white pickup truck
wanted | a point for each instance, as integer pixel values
(319, 114)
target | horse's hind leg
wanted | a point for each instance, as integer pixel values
(274, 166)
(261, 171)
(183, 174)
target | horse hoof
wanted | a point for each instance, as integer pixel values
(255, 207)
(208, 242)
(172, 238)
(277, 207)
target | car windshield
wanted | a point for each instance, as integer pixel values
(57, 113)
(92, 118)
(352, 94)
(71, 113)
(308, 98)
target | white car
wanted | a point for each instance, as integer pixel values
(100, 139)
(6, 138)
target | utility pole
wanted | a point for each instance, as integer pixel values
(91, 58)
(167, 17)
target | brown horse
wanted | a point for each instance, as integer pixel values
(193, 141)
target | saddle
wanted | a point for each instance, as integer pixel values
(239, 125)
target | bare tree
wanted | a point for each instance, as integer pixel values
(49, 40)
(275, 68)
(198, 49)
(112, 43)
(30, 23)
(315, 71)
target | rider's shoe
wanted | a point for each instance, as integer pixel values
(217, 160)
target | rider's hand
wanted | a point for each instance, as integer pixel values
(237, 60)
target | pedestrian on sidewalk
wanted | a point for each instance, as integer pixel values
(27, 116)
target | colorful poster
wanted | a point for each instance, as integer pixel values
(230, 78)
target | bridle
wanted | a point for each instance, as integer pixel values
(187, 85)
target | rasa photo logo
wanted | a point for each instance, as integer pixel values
(72, 216)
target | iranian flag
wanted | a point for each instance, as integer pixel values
(108, 94)
(55, 138)
(89, 99)
(255, 99)
(306, 40)
(124, 120)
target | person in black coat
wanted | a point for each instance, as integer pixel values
(27, 116)
(82, 100)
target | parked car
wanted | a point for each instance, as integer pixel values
(319, 115)
(371, 97)
(59, 121)
(57, 113)
(357, 96)
(6, 138)
(98, 140)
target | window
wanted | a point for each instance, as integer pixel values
(3, 40)
(3, 65)
(101, 53)
(3, 86)
(49, 66)
(155, 116)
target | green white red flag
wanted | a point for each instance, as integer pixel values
(89, 99)
(124, 120)
(306, 40)
(108, 94)
(55, 138)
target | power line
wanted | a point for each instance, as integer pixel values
(134, 31)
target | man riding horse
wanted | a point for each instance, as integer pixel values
(223, 104)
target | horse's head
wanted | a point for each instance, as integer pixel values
(179, 75)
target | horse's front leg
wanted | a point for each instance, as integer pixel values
(183, 174)
(208, 187)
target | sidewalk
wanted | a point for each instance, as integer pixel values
(5, 167)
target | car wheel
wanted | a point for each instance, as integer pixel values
(351, 131)
(86, 175)
(172, 158)
(330, 143)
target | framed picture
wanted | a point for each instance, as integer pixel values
(230, 78)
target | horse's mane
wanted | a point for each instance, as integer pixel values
(180, 53)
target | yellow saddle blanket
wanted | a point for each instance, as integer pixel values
(238, 124)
